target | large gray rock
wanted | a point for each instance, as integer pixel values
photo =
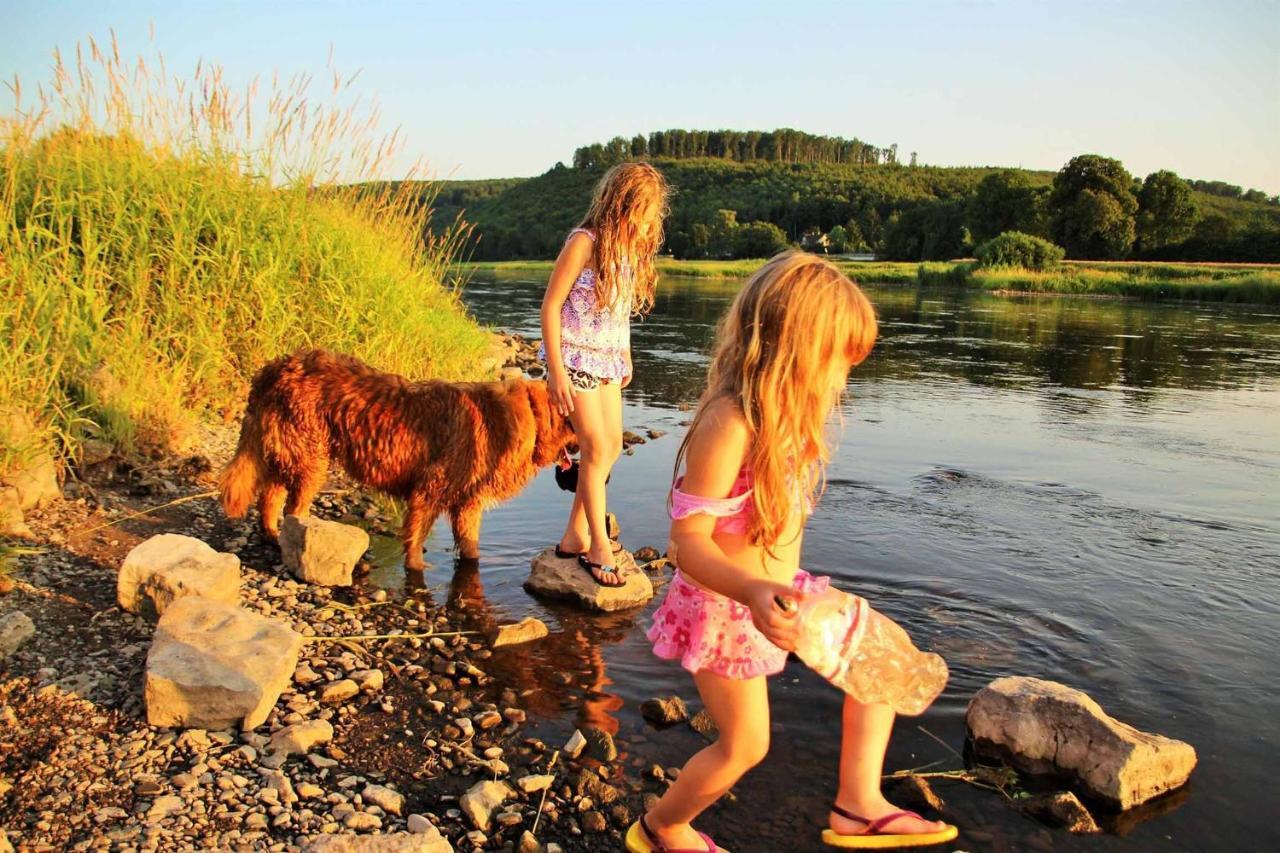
(1045, 726)
(320, 551)
(170, 566)
(212, 666)
(564, 578)
(480, 801)
(430, 841)
(15, 629)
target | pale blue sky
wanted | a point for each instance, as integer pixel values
(505, 89)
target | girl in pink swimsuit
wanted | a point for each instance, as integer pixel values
(754, 459)
(605, 273)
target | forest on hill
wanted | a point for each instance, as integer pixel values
(750, 194)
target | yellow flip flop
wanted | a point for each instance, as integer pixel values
(875, 838)
(641, 839)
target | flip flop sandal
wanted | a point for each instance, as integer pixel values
(874, 838)
(592, 568)
(570, 555)
(641, 839)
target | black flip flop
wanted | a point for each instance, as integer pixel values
(592, 568)
(614, 544)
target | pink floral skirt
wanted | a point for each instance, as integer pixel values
(708, 631)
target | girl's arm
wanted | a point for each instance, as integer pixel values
(626, 380)
(573, 257)
(713, 459)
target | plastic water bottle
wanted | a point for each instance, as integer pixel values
(865, 653)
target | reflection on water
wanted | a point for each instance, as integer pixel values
(1084, 490)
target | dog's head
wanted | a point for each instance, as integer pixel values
(554, 431)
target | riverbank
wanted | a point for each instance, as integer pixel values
(406, 725)
(880, 272)
(1241, 283)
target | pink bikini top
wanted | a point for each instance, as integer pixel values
(732, 513)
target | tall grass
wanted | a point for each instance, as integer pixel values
(162, 237)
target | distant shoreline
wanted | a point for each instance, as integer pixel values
(1250, 283)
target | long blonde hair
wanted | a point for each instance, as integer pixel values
(793, 324)
(622, 258)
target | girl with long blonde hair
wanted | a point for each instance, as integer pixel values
(754, 461)
(605, 273)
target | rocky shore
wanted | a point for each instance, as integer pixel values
(394, 743)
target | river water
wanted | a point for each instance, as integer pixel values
(1075, 489)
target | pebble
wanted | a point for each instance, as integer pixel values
(576, 743)
(338, 691)
(165, 806)
(533, 784)
(384, 798)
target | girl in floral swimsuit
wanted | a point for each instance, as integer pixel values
(605, 273)
(754, 458)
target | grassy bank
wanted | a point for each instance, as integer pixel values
(887, 272)
(155, 250)
(1245, 283)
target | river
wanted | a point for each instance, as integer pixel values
(1077, 489)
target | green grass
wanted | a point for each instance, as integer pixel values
(865, 271)
(1245, 283)
(1191, 282)
(156, 249)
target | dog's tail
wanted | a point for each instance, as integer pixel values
(239, 481)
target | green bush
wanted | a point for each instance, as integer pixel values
(1015, 249)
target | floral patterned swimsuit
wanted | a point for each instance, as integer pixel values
(594, 341)
(705, 630)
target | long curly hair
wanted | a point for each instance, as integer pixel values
(623, 257)
(780, 350)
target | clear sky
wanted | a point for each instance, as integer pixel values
(507, 89)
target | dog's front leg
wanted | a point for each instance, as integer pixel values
(466, 531)
(419, 517)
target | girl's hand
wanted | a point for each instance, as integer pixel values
(626, 380)
(779, 626)
(560, 390)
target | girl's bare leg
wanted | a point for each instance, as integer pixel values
(740, 709)
(577, 535)
(862, 748)
(598, 450)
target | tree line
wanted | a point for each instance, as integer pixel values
(1092, 207)
(784, 145)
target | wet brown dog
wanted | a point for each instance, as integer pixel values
(441, 447)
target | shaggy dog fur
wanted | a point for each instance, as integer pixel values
(455, 447)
